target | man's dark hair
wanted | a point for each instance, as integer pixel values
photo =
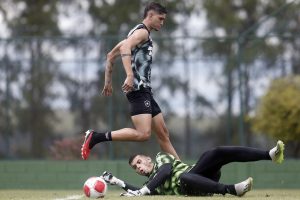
(131, 158)
(156, 7)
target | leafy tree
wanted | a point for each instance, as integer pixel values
(8, 101)
(37, 69)
(35, 114)
(278, 113)
(229, 20)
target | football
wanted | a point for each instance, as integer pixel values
(95, 187)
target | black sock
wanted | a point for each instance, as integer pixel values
(230, 189)
(99, 137)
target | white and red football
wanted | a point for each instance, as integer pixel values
(95, 187)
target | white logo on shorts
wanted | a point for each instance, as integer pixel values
(147, 103)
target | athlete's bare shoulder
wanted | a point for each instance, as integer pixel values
(140, 35)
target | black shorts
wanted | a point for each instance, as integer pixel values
(142, 102)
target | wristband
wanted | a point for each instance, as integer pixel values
(144, 190)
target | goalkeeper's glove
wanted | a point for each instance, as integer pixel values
(130, 193)
(107, 176)
(112, 180)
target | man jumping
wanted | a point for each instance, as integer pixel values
(146, 115)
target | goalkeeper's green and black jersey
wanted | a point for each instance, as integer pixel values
(172, 185)
(141, 60)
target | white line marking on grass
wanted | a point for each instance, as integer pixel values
(73, 197)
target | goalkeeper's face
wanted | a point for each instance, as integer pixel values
(142, 164)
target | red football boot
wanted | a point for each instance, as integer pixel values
(85, 149)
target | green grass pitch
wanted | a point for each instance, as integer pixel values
(275, 194)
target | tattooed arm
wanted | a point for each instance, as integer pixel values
(111, 56)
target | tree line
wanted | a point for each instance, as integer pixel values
(270, 48)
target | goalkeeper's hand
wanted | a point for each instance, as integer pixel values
(130, 193)
(109, 178)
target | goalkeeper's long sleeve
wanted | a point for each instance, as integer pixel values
(123, 184)
(130, 187)
(163, 173)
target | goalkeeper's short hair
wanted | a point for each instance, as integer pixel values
(131, 158)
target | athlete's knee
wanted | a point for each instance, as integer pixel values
(220, 150)
(144, 135)
(216, 150)
(213, 152)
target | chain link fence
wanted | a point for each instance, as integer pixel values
(50, 92)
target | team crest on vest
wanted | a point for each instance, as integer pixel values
(147, 103)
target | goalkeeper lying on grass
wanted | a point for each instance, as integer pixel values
(169, 176)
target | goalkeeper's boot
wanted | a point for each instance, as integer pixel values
(243, 187)
(85, 149)
(276, 153)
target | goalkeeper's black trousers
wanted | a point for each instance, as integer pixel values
(204, 177)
